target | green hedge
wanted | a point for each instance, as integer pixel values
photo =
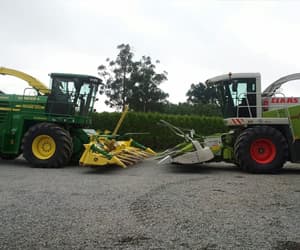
(159, 137)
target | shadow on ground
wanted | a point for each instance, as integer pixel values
(103, 169)
(289, 169)
(223, 167)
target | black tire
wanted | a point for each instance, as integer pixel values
(78, 151)
(261, 150)
(47, 145)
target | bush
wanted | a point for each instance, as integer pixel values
(158, 137)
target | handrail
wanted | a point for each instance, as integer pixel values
(245, 95)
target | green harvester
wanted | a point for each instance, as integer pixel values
(264, 127)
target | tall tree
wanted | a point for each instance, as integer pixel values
(117, 76)
(132, 82)
(146, 95)
(201, 94)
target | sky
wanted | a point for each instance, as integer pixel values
(193, 40)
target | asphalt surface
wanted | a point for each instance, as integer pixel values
(213, 206)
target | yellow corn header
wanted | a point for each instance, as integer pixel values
(113, 150)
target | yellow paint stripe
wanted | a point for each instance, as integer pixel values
(9, 109)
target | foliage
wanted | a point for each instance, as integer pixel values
(201, 94)
(127, 81)
(192, 109)
(159, 137)
(146, 96)
(116, 77)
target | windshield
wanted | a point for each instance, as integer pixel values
(86, 97)
(236, 97)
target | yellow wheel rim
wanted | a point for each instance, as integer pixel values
(43, 147)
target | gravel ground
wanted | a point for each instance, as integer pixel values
(213, 206)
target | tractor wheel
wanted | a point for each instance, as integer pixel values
(261, 150)
(47, 145)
